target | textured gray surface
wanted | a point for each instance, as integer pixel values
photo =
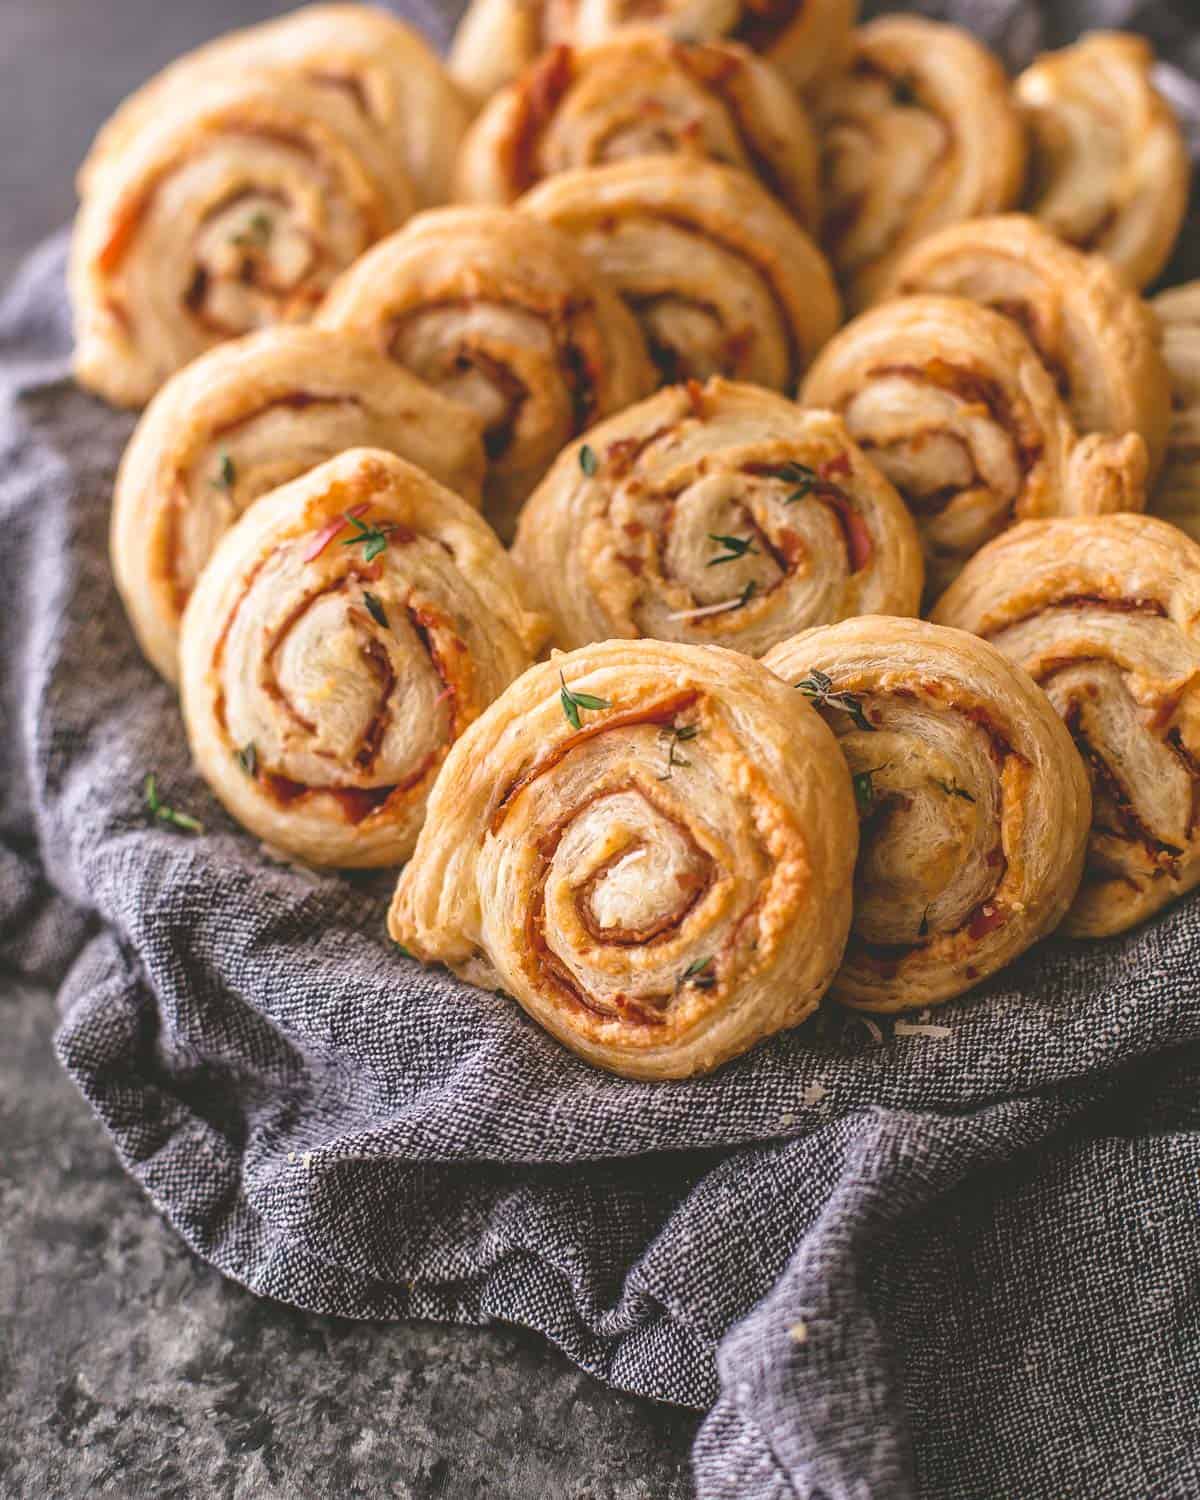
(127, 1368)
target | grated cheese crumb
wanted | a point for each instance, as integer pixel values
(708, 609)
(798, 1333)
(910, 1028)
(814, 1093)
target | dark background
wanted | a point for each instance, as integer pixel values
(127, 1368)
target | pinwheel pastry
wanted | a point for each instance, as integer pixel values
(1093, 332)
(973, 804)
(642, 94)
(503, 314)
(1177, 496)
(344, 633)
(651, 846)
(390, 76)
(1109, 167)
(1104, 614)
(718, 514)
(951, 401)
(722, 279)
(918, 132)
(804, 39)
(232, 208)
(243, 419)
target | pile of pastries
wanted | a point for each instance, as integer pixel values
(700, 484)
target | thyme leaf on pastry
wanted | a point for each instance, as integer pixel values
(167, 814)
(748, 592)
(374, 538)
(588, 461)
(404, 953)
(923, 930)
(952, 789)
(735, 547)
(572, 702)
(226, 473)
(673, 735)
(801, 476)
(375, 608)
(818, 688)
(257, 232)
(247, 758)
(864, 790)
(698, 972)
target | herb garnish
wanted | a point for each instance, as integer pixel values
(673, 735)
(375, 537)
(572, 702)
(167, 814)
(952, 789)
(257, 231)
(923, 930)
(736, 546)
(247, 758)
(697, 973)
(801, 476)
(588, 461)
(864, 790)
(375, 608)
(748, 592)
(226, 473)
(818, 688)
(404, 953)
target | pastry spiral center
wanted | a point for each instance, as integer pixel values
(254, 263)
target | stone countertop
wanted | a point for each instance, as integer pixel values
(128, 1368)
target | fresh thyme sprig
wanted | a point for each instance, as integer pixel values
(801, 476)
(258, 231)
(735, 547)
(817, 687)
(699, 973)
(673, 735)
(864, 790)
(588, 461)
(923, 930)
(374, 538)
(226, 473)
(375, 608)
(247, 758)
(952, 789)
(572, 702)
(166, 814)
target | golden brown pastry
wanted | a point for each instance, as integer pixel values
(243, 419)
(1103, 613)
(973, 804)
(1093, 332)
(723, 280)
(1177, 495)
(642, 94)
(503, 314)
(345, 632)
(233, 208)
(1109, 169)
(804, 39)
(951, 401)
(719, 514)
(918, 133)
(389, 74)
(650, 846)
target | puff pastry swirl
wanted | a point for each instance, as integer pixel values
(650, 846)
(1109, 169)
(718, 514)
(1092, 331)
(503, 314)
(386, 71)
(722, 279)
(244, 419)
(974, 806)
(1177, 496)
(951, 401)
(804, 39)
(232, 209)
(642, 94)
(345, 632)
(919, 132)
(1103, 613)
